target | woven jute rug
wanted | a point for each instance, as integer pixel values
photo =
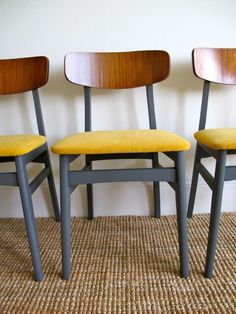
(119, 265)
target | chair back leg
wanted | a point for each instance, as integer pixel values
(90, 201)
(194, 182)
(52, 188)
(156, 190)
(90, 194)
(157, 201)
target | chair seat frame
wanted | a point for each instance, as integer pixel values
(71, 179)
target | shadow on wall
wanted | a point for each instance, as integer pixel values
(181, 83)
(174, 101)
(110, 114)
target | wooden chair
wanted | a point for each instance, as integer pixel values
(213, 66)
(119, 70)
(19, 76)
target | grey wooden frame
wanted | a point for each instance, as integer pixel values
(222, 172)
(20, 178)
(71, 179)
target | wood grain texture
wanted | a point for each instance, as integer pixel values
(23, 74)
(215, 64)
(115, 70)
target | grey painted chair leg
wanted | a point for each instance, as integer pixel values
(194, 182)
(29, 217)
(52, 189)
(90, 201)
(182, 215)
(90, 194)
(157, 203)
(215, 212)
(65, 192)
(156, 191)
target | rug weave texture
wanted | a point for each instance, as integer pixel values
(125, 264)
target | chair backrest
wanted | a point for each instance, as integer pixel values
(216, 65)
(213, 65)
(23, 74)
(117, 70)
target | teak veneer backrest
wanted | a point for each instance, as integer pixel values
(216, 65)
(115, 70)
(23, 74)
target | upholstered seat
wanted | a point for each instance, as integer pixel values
(17, 145)
(218, 139)
(113, 142)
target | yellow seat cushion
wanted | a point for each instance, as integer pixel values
(131, 141)
(17, 145)
(218, 139)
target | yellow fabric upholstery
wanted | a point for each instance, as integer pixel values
(17, 145)
(219, 139)
(131, 141)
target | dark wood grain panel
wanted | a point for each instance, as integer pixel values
(23, 74)
(114, 70)
(215, 64)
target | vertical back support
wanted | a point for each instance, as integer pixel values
(203, 114)
(151, 108)
(88, 127)
(38, 110)
(155, 158)
(87, 102)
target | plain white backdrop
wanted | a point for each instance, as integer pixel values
(55, 27)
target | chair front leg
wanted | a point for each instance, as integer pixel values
(27, 205)
(65, 194)
(215, 212)
(182, 214)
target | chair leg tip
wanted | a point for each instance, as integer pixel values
(207, 275)
(184, 274)
(39, 278)
(189, 215)
(65, 276)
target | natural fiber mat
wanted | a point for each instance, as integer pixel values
(119, 265)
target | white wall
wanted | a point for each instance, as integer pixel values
(54, 27)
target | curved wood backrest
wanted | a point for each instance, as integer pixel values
(215, 64)
(114, 70)
(23, 74)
